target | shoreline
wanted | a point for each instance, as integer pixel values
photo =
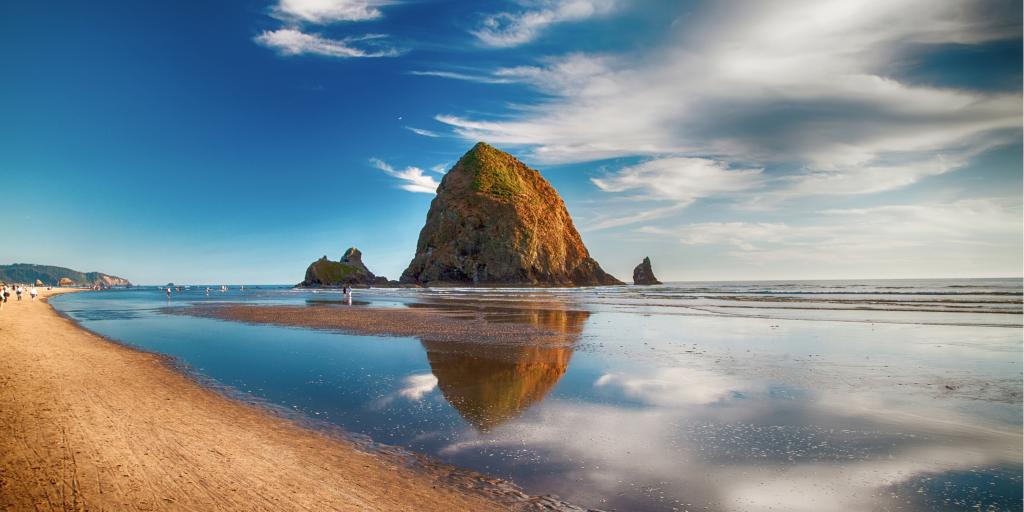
(89, 423)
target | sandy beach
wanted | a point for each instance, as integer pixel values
(87, 424)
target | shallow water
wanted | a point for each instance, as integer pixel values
(882, 395)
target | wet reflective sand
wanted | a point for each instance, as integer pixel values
(617, 403)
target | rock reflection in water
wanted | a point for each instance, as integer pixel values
(489, 382)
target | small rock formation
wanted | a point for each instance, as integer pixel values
(349, 271)
(39, 283)
(643, 275)
(105, 281)
(495, 221)
(64, 281)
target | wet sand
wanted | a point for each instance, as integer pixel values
(87, 424)
(540, 326)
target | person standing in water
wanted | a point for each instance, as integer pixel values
(168, 293)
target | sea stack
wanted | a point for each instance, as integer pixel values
(349, 271)
(643, 275)
(496, 222)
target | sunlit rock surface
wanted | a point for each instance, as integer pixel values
(495, 221)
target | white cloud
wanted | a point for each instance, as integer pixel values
(322, 12)
(508, 29)
(413, 177)
(866, 179)
(288, 41)
(679, 180)
(815, 82)
(421, 131)
(682, 180)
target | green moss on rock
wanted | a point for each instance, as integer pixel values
(332, 271)
(493, 171)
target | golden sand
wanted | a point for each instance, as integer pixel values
(87, 424)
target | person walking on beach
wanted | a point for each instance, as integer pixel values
(3, 295)
(17, 291)
(33, 292)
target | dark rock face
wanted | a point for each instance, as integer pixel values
(643, 275)
(497, 222)
(349, 271)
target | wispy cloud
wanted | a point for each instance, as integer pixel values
(508, 29)
(613, 217)
(421, 131)
(320, 12)
(288, 41)
(677, 180)
(681, 180)
(292, 39)
(412, 177)
(454, 75)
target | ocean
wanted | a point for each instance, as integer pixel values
(786, 395)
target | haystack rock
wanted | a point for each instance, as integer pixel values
(64, 281)
(497, 222)
(643, 274)
(38, 282)
(349, 271)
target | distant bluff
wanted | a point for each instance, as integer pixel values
(495, 221)
(52, 276)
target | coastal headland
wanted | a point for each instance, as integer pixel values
(88, 424)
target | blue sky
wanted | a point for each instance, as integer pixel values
(238, 141)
